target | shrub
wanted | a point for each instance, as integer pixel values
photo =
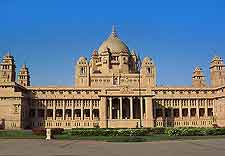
(194, 131)
(39, 131)
(56, 131)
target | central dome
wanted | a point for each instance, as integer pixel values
(113, 44)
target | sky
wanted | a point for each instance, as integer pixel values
(50, 35)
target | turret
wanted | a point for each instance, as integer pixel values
(24, 76)
(217, 72)
(133, 62)
(82, 77)
(93, 62)
(148, 73)
(8, 69)
(198, 78)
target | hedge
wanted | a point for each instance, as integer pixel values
(194, 131)
(189, 131)
(116, 132)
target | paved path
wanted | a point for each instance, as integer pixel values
(25, 147)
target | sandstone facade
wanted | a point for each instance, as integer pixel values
(113, 89)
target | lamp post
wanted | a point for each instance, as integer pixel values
(139, 85)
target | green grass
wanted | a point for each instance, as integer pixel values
(18, 134)
(136, 138)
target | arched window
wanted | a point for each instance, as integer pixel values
(149, 70)
(82, 70)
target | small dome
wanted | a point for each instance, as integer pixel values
(82, 60)
(198, 72)
(24, 66)
(113, 44)
(216, 58)
(133, 53)
(95, 53)
(147, 61)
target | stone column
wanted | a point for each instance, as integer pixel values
(118, 114)
(63, 109)
(206, 108)
(121, 108)
(141, 105)
(54, 108)
(45, 116)
(180, 108)
(82, 110)
(189, 108)
(91, 109)
(110, 108)
(197, 108)
(102, 111)
(72, 111)
(149, 112)
(131, 108)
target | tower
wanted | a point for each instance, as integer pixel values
(217, 72)
(24, 76)
(93, 62)
(8, 69)
(148, 73)
(198, 78)
(82, 77)
(133, 62)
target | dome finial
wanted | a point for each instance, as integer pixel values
(114, 31)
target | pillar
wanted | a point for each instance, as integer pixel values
(189, 108)
(121, 108)
(149, 112)
(45, 116)
(131, 108)
(54, 106)
(110, 108)
(206, 108)
(118, 114)
(72, 111)
(197, 108)
(141, 104)
(63, 109)
(180, 108)
(91, 109)
(82, 110)
(102, 111)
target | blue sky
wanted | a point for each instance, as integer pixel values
(51, 35)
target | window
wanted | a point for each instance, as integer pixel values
(193, 112)
(210, 112)
(201, 112)
(176, 113)
(149, 70)
(185, 112)
(158, 112)
(168, 112)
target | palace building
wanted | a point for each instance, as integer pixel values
(113, 89)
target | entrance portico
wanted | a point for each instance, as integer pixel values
(126, 110)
